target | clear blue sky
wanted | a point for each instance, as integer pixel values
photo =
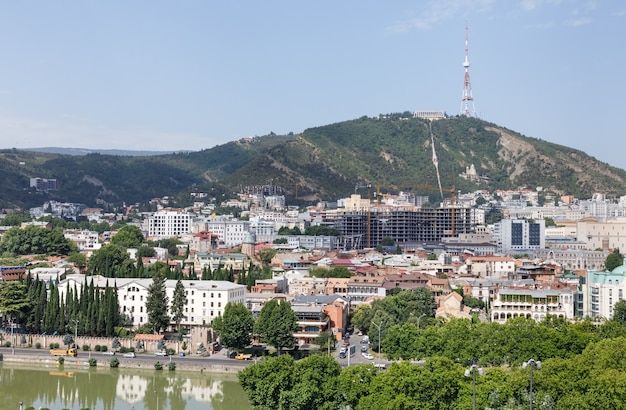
(165, 75)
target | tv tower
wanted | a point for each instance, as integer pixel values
(467, 98)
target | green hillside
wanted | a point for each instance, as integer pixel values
(322, 163)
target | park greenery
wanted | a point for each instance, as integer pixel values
(582, 367)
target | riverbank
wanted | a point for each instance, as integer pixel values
(201, 365)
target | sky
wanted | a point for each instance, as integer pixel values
(190, 75)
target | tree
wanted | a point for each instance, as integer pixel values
(129, 236)
(68, 340)
(234, 326)
(362, 317)
(78, 259)
(145, 251)
(276, 324)
(315, 385)
(265, 382)
(156, 304)
(266, 255)
(179, 300)
(115, 344)
(613, 260)
(14, 301)
(619, 311)
(110, 261)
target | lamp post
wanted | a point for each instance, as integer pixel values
(473, 371)
(12, 339)
(378, 326)
(76, 333)
(536, 365)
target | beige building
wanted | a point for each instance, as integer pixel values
(452, 305)
(605, 234)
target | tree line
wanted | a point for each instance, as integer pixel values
(592, 379)
(86, 310)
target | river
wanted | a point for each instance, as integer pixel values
(57, 388)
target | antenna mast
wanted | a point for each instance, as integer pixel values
(467, 97)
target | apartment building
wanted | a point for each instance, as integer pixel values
(518, 235)
(84, 239)
(168, 223)
(602, 291)
(230, 233)
(407, 226)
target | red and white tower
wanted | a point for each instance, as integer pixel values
(467, 99)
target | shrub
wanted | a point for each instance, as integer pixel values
(171, 352)
(93, 362)
(114, 362)
(103, 348)
(85, 348)
(7, 344)
(61, 360)
(158, 366)
(97, 348)
(37, 345)
(123, 349)
(171, 366)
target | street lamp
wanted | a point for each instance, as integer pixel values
(76, 333)
(532, 364)
(378, 326)
(473, 371)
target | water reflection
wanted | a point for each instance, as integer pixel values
(109, 389)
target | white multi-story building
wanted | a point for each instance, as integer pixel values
(532, 303)
(514, 235)
(168, 223)
(84, 239)
(602, 291)
(206, 299)
(230, 233)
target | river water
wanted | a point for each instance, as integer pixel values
(58, 388)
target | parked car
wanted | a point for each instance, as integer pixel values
(363, 349)
(368, 356)
(360, 333)
(365, 340)
(343, 349)
(130, 355)
(342, 355)
(160, 353)
(109, 353)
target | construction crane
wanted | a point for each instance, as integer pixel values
(369, 209)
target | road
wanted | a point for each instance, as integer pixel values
(357, 357)
(219, 359)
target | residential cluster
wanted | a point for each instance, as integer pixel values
(541, 256)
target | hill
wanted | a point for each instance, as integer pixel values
(323, 163)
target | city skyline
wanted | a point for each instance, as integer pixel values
(159, 76)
